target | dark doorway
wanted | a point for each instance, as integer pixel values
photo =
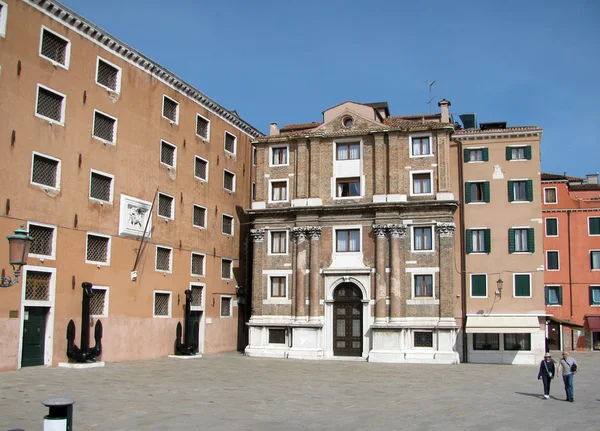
(553, 336)
(34, 336)
(347, 320)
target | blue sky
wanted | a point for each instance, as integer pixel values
(524, 62)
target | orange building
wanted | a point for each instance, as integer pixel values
(571, 212)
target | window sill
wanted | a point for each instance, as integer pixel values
(55, 63)
(477, 203)
(421, 194)
(101, 202)
(90, 262)
(166, 218)
(519, 160)
(163, 271)
(161, 317)
(475, 161)
(50, 120)
(104, 141)
(279, 202)
(478, 297)
(553, 305)
(421, 156)
(108, 89)
(273, 301)
(279, 166)
(422, 301)
(206, 140)
(521, 202)
(522, 297)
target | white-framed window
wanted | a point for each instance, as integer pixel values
(278, 241)
(478, 240)
(521, 240)
(198, 292)
(594, 296)
(421, 146)
(550, 196)
(108, 75)
(593, 226)
(348, 239)
(278, 190)
(170, 109)
(168, 154)
(55, 47)
(277, 287)
(552, 260)
(594, 260)
(227, 226)
(479, 285)
(99, 301)
(254, 155)
(423, 239)
(423, 286)
(164, 259)
(279, 155)
(522, 285)
(166, 206)
(101, 186)
(228, 180)
(45, 171)
(226, 309)
(3, 18)
(551, 226)
(203, 127)
(553, 295)
(253, 191)
(199, 217)
(198, 265)
(40, 285)
(476, 155)
(97, 249)
(347, 187)
(44, 240)
(347, 151)
(104, 128)
(423, 339)
(421, 183)
(201, 168)
(230, 143)
(226, 269)
(50, 105)
(162, 303)
(519, 152)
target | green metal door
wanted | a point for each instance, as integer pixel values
(34, 334)
(195, 328)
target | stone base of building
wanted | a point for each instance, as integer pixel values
(196, 356)
(79, 366)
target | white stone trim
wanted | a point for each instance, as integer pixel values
(278, 146)
(278, 299)
(3, 18)
(557, 227)
(63, 106)
(162, 110)
(203, 265)
(106, 300)
(112, 187)
(170, 270)
(558, 254)
(230, 306)
(230, 269)
(287, 190)
(170, 304)
(420, 135)
(412, 237)
(108, 251)
(202, 324)
(235, 143)
(588, 225)
(119, 75)
(287, 242)
(54, 236)
(234, 181)
(172, 206)
(204, 227)
(164, 141)
(431, 183)
(202, 180)
(207, 138)
(67, 50)
(115, 128)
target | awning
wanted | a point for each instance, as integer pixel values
(502, 324)
(565, 323)
(593, 323)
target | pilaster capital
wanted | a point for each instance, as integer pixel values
(445, 228)
(397, 230)
(258, 235)
(314, 232)
(299, 233)
(380, 230)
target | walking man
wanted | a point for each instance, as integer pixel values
(568, 366)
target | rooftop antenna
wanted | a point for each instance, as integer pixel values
(430, 85)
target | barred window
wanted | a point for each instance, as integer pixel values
(225, 306)
(229, 181)
(197, 295)
(230, 141)
(163, 258)
(227, 224)
(226, 269)
(201, 169)
(101, 187)
(276, 336)
(423, 339)
(170, 109)
(97, 248)
(105, 127)
(197, 264)
(165, 205)
(199, 219)
(37, 286)
(108, 75)
(162, 304)
(54, 47)
(43, 240)
(202, 127)
(98, 305)
(168, 153)
(45, 171)
(50, 104)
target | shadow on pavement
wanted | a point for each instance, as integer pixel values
(530, 395)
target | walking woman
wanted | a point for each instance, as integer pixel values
(546, 373)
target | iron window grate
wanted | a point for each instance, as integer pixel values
(167, 154)
(225, 307)
(54, 47)
(161, 304)
(97, 302)
(37, 287)
(100, 187)
(97, 248)
(107, 75)
(197, 264)
(202, 127)
(42, 240)
(199, 216)
(44, 171)
(197, 296)
(165, 206)
(226, 269)
(228, 181)
(229, 143)
(423, 339)
(49, 104)
(228, 225)
(104, 127)
(163, 259)
(200, 168)
(170, 109)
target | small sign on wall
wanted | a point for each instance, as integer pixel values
(208, 320)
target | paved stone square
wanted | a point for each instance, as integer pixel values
(233, 392)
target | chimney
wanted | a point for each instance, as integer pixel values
(444, 104)
(592, 178)
(273, 131)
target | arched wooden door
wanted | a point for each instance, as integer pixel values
(347, 320)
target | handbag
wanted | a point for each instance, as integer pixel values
(574, 368)
(547, 371)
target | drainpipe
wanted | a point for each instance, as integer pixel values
(463, 264)
(570, 274)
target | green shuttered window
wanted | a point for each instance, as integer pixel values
(476, 155)
(478, 285)
(594, 225)
(520, 191)
(553, 295)
(518, 153)
(521, 240)
(551, 227)
(478, 241)
(522, 285)
(477, 192)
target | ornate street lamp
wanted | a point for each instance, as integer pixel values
(499, 285)
(18, 251)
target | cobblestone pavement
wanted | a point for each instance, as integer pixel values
(233, 392)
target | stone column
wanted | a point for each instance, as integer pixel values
(380, 231)
(299, 234)
(313, 290)
(397, 231)
(300, 171)
(446, 253)
(258, 237)
(314, 162)
(380, 164)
